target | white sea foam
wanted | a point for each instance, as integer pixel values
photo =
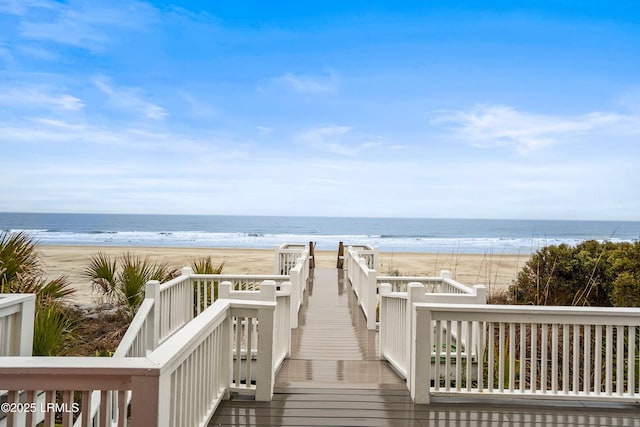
(268, 240)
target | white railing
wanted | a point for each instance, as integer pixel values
(364, 283)
(189, 294)
(282, 334)
(578, 353)
(395, 316)
(286, 257)
(369, 254)
(17, 313)
(179, 383)
(442, 284)
(299, 279)
(360, 262)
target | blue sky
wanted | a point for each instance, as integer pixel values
(425, 109)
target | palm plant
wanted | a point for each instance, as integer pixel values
(206, 287)
(21, 272)
(122, 279)
(18, 258)
(54, 327)
(205, 265)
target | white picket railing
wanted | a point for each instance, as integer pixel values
(364, 283)
(443, 284)
(16, 324)
(282, 334)
(578, 353)
(360, 263)
(395, 315)
(286, 257)
(181, 382)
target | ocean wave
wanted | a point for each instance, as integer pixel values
(397, 243)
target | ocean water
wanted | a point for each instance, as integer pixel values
(388, 234)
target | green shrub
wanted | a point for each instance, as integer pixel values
(53, 332)
(590, 273)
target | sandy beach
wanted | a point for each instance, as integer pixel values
(495, 271)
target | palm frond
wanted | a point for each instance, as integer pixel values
(102, 272)
(18, 258)
(205, 265)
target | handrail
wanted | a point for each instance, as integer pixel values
(364, 284)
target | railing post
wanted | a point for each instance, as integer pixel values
(385, 288)
(296, 292)
(445, 274)
(152, 291)
(189, 310)
(420, 371)
(224, 289)
(277, 269)
(415, 294)
(375, 259)
(286, 287)
(265, 370)
(149, 401)
(24, 326)
(372, 297)
(268, 291)
(480, 292)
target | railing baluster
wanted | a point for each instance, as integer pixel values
(620, 360)
(512, 357)
(491, 358)
(565, 358)
(523, 356)
(534, 357)
(249, 349)
(480, 354)
(597, 365)
(609, 359)
(469, 352)
(459, 345)
(631, 371)
(544, 357)
(554, 360)
(501, 357)
(437, 344)
(238, 352)
(586, 375)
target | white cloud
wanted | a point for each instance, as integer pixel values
(342, 140)
(40, 96)
(129, 99)
(86, 25)
(497, 125)
(329, 138)
(263, 130)
(306, 84)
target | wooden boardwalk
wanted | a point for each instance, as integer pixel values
(334, 377)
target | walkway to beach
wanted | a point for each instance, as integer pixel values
(334, 377)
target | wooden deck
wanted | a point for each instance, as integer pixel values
(334, 377)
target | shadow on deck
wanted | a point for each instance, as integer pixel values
(334, 377)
